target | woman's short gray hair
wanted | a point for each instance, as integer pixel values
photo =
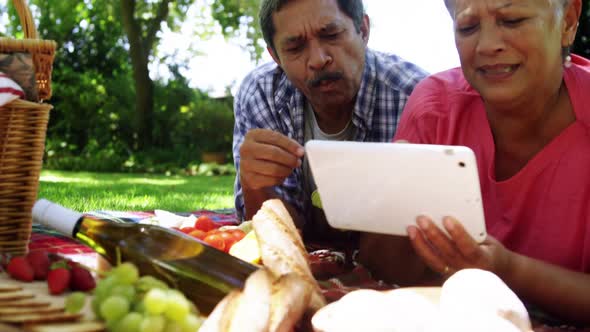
(449, 4)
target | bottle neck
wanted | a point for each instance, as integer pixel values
(56, 217)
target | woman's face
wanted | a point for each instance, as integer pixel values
(510, 50)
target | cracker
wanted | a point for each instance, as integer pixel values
(10, 288)
(90, 326)
(25, 303)
(30, 310)
(40, 318)
(15, 295)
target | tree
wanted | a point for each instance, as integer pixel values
(236, 16)
(102, 86)
(142, 21)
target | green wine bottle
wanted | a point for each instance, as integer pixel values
(204, 274)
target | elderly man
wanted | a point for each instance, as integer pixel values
(325, 84)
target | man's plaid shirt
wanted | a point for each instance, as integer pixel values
(267, 99)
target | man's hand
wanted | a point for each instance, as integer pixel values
(447, 255)
(267, 158)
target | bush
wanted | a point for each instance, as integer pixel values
(187, 123)
(60, 155)
(191, 122)
(215, 121)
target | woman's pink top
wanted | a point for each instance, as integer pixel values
(543, 211)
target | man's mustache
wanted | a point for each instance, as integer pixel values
(324, 76)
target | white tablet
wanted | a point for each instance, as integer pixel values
(383, 187)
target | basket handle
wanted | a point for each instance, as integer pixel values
(26, 19)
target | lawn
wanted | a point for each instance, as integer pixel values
(84, 191)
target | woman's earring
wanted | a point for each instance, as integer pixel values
(567, 58)
(568, 61)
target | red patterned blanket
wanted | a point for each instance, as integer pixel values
(336, 273)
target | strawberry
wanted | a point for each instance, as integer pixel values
(54, 257)
(66, 264)
(40, 262)
(71, 264)
(19, 268)
(58, 280)
(81, 279)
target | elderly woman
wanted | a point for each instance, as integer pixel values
(522, 103)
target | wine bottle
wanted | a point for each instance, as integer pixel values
(204, 274)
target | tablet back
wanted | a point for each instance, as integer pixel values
(383, 187)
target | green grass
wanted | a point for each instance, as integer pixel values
(84, 191)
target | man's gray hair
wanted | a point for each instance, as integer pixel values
(352, 8)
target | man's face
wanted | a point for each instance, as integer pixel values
(320, 51)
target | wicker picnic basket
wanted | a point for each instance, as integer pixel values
(23, 125)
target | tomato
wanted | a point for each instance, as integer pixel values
(216, 241)
(228, 238)
(226, 235)
(205, 223)
(199, 234)
(231, 236)
(238, 234)
(213, 231)
(187, 230)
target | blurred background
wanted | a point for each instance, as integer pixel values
(146, 86)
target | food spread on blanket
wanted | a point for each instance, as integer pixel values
(278, 294)
(40, 290)
(122, 300)
(281, 296)
(238, 240)
(470, 300)
(203, 228)
(126, 301)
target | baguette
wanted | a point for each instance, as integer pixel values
(290, 299)
(277, 296)
(218, 319)
(282, 248)
(252, 309)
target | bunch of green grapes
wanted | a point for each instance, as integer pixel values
(130, 303)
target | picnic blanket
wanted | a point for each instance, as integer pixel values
(336, 273)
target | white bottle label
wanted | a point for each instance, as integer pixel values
(55, 216)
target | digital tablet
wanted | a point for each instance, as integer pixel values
(383, 187)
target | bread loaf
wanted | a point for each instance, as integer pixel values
(277, 296)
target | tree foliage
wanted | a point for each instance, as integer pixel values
(94, 121)
(142, 21)
(240, 15)
(104, 98)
